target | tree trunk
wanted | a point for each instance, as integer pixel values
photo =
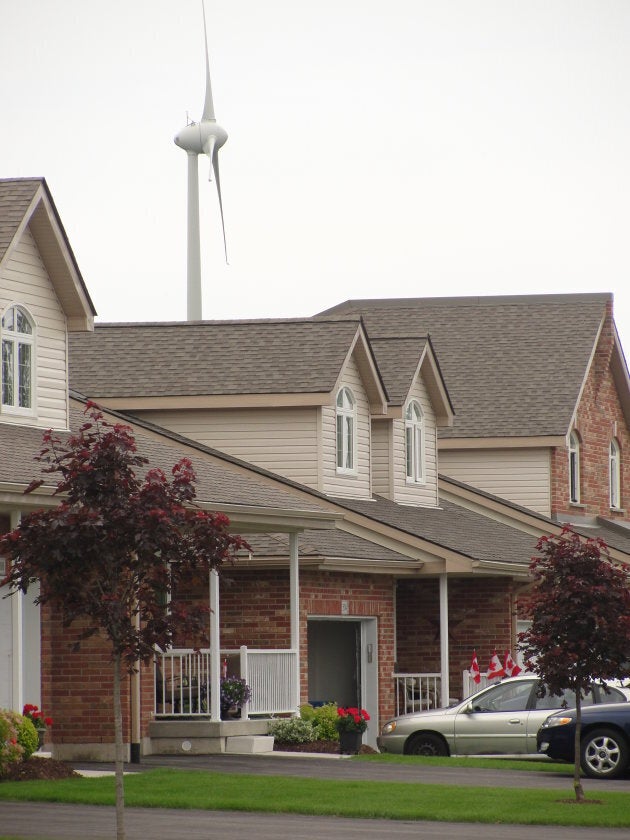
(577, 783)
(118, 729)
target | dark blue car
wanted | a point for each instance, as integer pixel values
(605, 739)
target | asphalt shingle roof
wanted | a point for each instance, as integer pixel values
(323, 544)
(16, 195)
(210, 357)
(513, 365)
(397, 360)
(451, 526)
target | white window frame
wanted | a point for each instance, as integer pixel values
(18, 340)
(614, 470)
(414, 443)
(574, 468)
(346, 431)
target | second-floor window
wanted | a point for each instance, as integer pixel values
(574, 468)
(414, 441)
(346, 415)
(17, 359)
(614, 462)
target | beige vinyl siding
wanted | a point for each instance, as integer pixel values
(356, 485)
(408, 493)
(521, 476)
(25, 281)
(382, 458)
(283, 440)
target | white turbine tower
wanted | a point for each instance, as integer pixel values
(202, 138)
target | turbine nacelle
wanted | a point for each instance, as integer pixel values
(203, 138)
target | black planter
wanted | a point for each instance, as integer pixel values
(350, 742)
(40, 737)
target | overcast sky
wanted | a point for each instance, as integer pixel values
(406, 148)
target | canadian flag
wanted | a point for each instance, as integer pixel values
(509, 666)
(495, 669)
(474, 668)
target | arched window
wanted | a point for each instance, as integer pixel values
(574, 468)
(17, 359)
(346, 425)
(414, 441)
(614, 462)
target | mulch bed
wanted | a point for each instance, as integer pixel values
(317, 747)
(38, 768)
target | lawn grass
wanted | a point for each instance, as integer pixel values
(169, 788)
(539, 765)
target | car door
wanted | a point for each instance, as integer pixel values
(496, 721)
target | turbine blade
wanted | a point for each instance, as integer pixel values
(209, 149)
(215, 166)
(208, 106)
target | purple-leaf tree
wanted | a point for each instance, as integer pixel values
(115, 548)
(580, 613)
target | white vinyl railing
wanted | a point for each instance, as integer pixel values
(182, 681)
(417, 692)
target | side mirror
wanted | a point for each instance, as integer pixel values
(468, 709)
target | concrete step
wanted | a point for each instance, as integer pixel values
(247, 744)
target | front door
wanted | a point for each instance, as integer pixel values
(334, 662)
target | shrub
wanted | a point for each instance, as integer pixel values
(307, 712)
(27, 735)
(325, 721)
(293, 731)
(10, 750)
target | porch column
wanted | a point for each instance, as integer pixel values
(444, 659)
(215, 649)
(294, 587)
(17, 643)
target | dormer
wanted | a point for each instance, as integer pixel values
(294, 396)
(42, 296)
(404, 442)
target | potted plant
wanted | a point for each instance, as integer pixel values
(351, 723)
(234, 694)
(39, 721)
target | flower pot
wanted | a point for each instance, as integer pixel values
(41, 733)
(350, 742)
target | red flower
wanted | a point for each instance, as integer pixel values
(48, 721)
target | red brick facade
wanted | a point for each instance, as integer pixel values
(481, 617)
(599, 419)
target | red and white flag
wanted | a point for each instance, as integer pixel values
(509, 666)
(495, 669)
(474, 668)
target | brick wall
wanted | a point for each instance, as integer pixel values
(481, 617)
(77, 686)
(255, 612)
(599, 419)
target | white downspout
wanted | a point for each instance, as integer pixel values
(215, 649)
(294, 587)
(444, 658)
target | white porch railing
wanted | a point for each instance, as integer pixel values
(182, 681)
(417, 692)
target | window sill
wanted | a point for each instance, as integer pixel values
(577, 505)
(617, 510)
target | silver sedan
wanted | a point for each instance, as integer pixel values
(502, 719)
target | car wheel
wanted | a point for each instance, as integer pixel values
(426, 744)
(604, 754)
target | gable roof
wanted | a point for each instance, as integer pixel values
(27, 202)
(514, 365)
(400, 360)
(123, 364)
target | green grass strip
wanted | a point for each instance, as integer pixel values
(527, 764)
(167, 788)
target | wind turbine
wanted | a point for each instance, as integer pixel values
(202, 138)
